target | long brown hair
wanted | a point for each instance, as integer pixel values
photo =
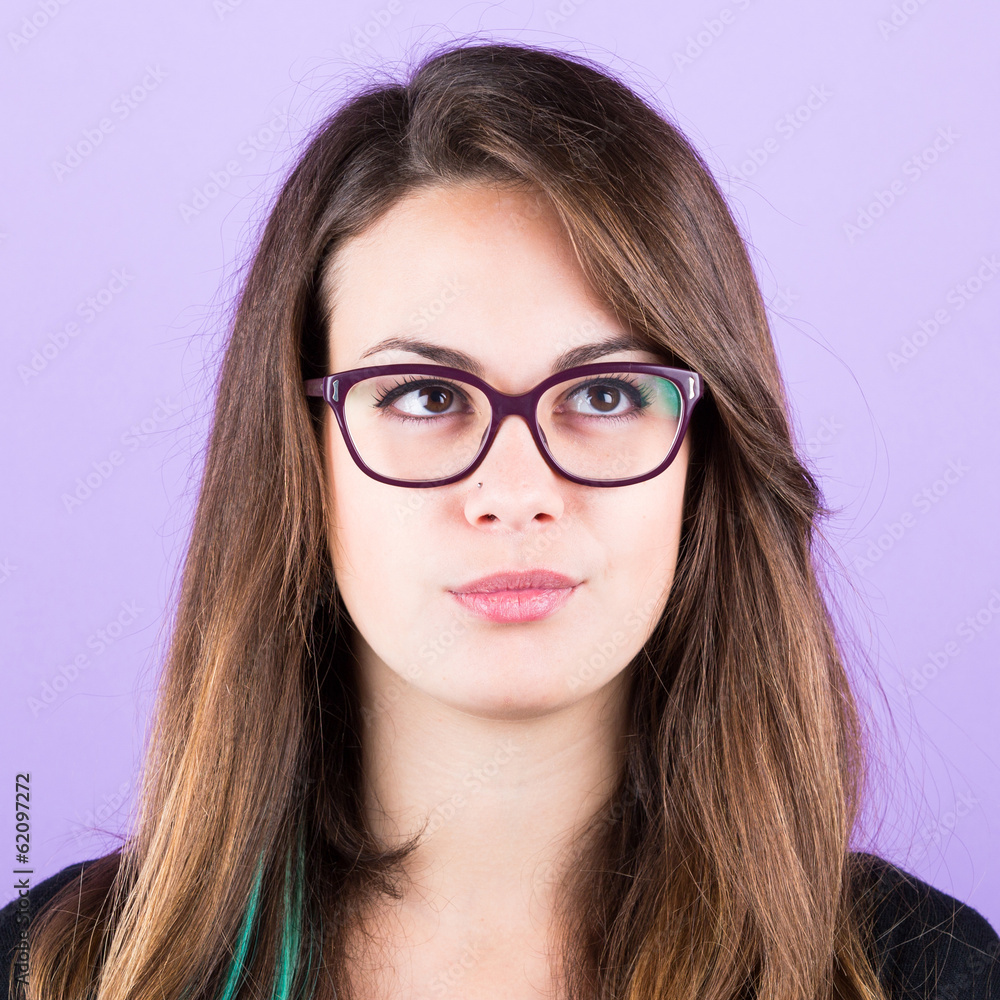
(720, 868)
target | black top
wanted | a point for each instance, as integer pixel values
(928, 945)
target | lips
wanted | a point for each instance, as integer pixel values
(524, 596)
(536, 579)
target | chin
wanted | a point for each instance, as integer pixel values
(514, 698)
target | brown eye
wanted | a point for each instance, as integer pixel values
(437, 399)
(604, 398)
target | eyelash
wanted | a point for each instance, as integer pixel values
(391, 394)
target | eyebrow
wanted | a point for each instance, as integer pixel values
(459, 359)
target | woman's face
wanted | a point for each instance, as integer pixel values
(489, 272)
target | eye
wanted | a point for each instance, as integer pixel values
(422, 397)
(607, 396)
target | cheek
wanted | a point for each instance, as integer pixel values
(644, 537)
(374, 535)
(651, 541)
(354, 508)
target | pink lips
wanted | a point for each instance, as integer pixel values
(516, 597)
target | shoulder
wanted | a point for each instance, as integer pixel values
(925, 942)
(16, 917)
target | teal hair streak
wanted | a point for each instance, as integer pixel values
(237, 966)
(291, 932)
(286, 964)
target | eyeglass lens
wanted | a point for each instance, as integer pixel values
(614, 425)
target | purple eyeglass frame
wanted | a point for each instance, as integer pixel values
(334, 389)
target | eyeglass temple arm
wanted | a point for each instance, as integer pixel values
(314, 386)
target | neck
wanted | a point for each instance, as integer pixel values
(504, 799)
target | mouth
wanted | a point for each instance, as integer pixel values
(516, 597)
(515, 605)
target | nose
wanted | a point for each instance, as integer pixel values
(513, 450)
(519, 486)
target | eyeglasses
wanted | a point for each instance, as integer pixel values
(422, 425)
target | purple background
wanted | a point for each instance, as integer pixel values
(813, 119)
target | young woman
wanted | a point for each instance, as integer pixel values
(501, 666)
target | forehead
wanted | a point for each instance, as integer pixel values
(486, 270)
(438, 221)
